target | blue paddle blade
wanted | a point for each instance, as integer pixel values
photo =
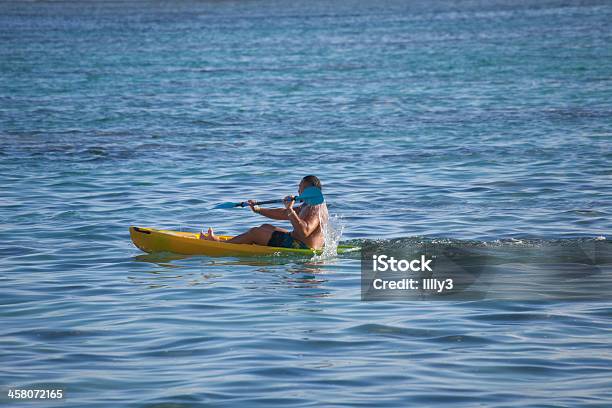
(311, 196)
(225, 205)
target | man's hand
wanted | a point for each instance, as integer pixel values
(289, 201)
(254, 206)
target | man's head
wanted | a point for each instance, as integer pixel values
(309, 181)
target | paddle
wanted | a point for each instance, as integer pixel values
(310, 195)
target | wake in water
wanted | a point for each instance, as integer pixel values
(568, 249)
(588, 251)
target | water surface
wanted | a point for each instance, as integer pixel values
(474, 121)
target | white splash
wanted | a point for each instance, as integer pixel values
(332, 233)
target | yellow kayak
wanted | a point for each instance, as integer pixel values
(189, 243)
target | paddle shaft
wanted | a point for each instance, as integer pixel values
(245, 203)
(311, 195)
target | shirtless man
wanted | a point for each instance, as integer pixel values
(306, 220)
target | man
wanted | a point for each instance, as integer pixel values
(307, 221)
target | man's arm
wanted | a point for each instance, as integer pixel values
(304, 227)
(274, 213)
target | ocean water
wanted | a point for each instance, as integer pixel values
(486, 123)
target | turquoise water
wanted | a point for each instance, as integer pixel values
(472, 121)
